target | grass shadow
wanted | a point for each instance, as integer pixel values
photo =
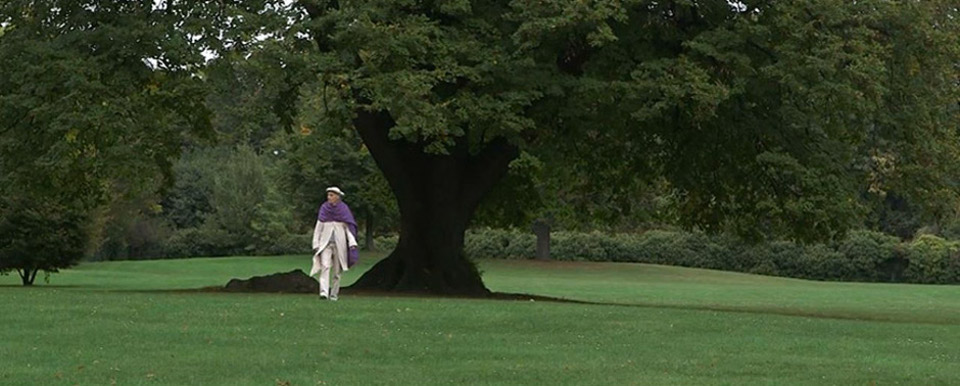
(49, 286)
(520, 297)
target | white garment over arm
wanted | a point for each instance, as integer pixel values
(331, 232)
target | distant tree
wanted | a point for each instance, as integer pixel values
(94, 98)
(254, 100)
(187, 202)
(130, 228)
(252, 95)
(228, 196)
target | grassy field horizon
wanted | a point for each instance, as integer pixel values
(646, 324)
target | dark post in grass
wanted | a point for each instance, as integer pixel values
(541, 228)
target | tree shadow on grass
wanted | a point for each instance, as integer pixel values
(49, 286)
(519, 297)
(297, 282)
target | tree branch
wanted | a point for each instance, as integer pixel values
(573, 57)
(316, 11)
(763, 50)
(392, 157)
(486, 169)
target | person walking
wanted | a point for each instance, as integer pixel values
(334, 243)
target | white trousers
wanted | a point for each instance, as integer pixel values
(327, 263)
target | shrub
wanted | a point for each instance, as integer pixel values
(41, 235)
(864, 252)
(499, 243)
(580, 246)
(203, 241)
(861, 256)
(385, 243)
(933, 260)
(819, 261)
(287, 244)
(782, 258)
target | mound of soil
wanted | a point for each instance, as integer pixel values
(295, 281)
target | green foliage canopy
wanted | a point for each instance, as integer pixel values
(94, 99)
(770, 118)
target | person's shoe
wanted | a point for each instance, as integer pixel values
(334, 298)
(323, 297)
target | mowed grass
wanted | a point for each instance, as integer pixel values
(120, 322)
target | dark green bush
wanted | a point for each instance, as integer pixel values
(203, 241)
(863, 253)
(580, 246)
(287, 244)
(484, 242)
(385, 243)
(41, 235)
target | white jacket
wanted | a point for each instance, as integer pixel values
(331, 232)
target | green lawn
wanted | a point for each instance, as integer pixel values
(105, 322)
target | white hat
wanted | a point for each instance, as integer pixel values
(336, 190)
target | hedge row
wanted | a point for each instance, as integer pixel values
(861, 256)
(192, 242)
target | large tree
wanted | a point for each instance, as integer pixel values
(755, 112)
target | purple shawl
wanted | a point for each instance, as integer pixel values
(341, 213)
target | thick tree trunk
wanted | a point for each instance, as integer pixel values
(428, 255)
(437, 195)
